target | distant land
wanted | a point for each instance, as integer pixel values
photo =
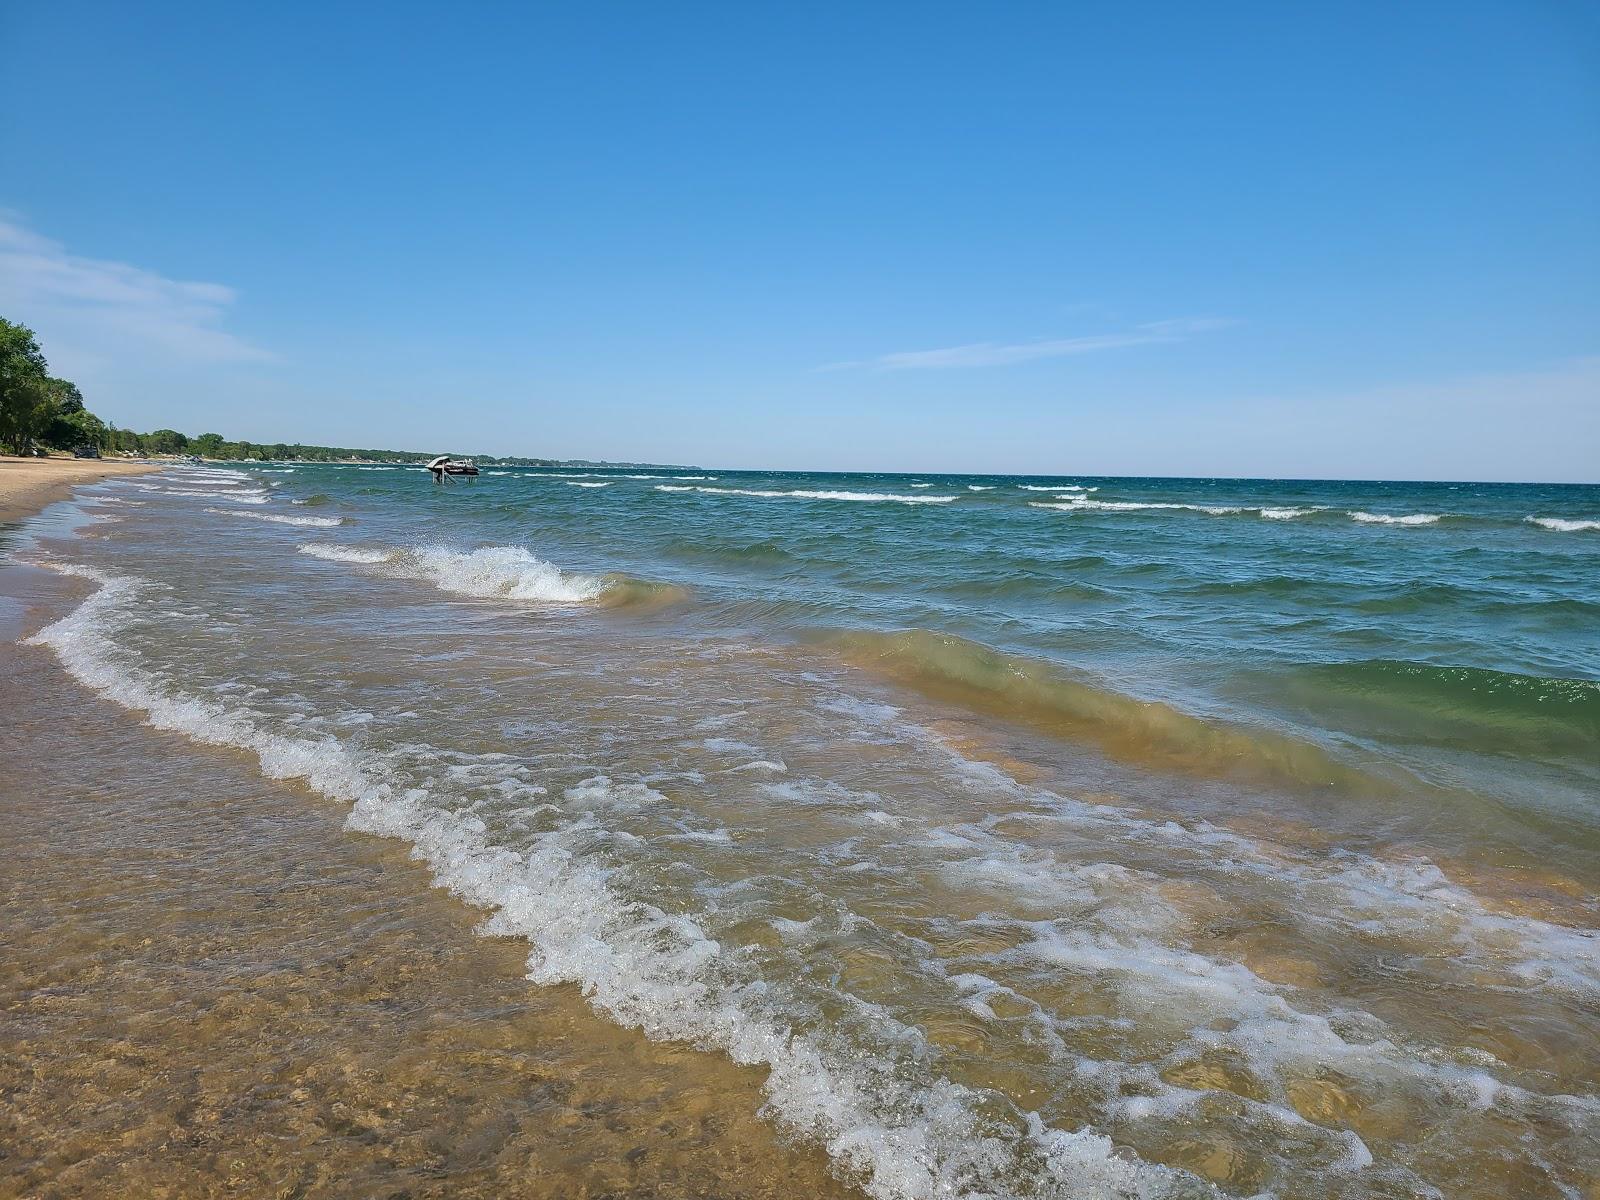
(215, 446)
(40, 413)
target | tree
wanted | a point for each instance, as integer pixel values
(26, 402)
(69, 399)
(165, 441)
(208, 445)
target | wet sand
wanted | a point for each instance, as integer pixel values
(28, 484)
(211, 988)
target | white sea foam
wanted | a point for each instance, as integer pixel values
(921, 485)
(1083, 504)
(1287, 514)
(235, 497)
(1563, 525)
(345, 554)
(1409, 904)
(1369, 518)
(493, 573)
(904, 1138)
(574, 483)
(209, 475)
(1116, 929)
(980, 487)
(280, 519)
(809, 494)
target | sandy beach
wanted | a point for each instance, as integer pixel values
(28, 484)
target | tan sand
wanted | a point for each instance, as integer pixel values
(28, 484)
(210, 989)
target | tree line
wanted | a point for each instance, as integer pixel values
(41, 412)
(36, 408)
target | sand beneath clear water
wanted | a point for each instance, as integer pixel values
(209, 988)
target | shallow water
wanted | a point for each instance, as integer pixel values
(1027, 837)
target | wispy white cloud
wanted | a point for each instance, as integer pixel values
(999, 354)
(88, 310)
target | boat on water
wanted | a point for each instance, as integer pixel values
(444, 466)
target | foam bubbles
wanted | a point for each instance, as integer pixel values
(234, 497)
(494, 572)
(1370, 518)
(813, 494)
(281, 519)
(1563, 525)
(345, 554)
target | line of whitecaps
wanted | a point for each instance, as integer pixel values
(1290, 513)
(1068, 498)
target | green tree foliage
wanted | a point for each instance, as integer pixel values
(164, 441)
(26, 400)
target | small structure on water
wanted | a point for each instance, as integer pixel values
(445, 467)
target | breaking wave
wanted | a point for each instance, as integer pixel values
(280, 519)
(1562, 525)
(502, 573)
(1370, 518)
(235, 497)
(810, 494)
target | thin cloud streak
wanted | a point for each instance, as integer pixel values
(994, 354)
(91, 305)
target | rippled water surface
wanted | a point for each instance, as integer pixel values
(1030, 837)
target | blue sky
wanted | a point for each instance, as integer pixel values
(1318, 240)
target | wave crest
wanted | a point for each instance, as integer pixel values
(1563, 525)
(280, 519)
(501, 573)
(813, 494)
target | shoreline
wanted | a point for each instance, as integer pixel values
(30, 484)
(251, 997)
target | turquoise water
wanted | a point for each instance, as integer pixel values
(1451, 631)
(1036, 837)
